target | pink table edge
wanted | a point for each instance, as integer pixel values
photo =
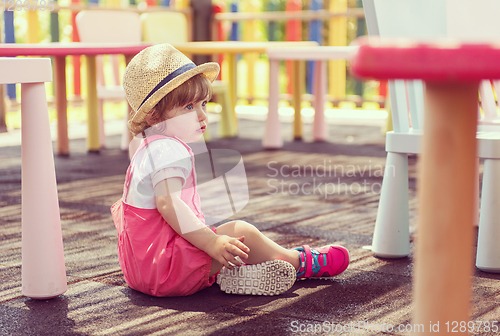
(59, 51)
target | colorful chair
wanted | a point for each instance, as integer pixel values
(43, 268)
(165, 27)
(109, 26)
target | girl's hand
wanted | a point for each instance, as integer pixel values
(225, 249)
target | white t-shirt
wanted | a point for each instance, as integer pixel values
(159, 160)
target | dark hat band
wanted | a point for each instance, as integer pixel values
(172, 75)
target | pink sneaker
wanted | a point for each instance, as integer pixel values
(322, 262)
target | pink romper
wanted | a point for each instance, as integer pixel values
(154, 258)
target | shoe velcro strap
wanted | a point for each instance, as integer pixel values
(309, 261)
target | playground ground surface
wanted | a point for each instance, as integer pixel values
(372, 297)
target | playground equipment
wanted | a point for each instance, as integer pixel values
(294, 16)
(338, 37)
(251, 34)
(294, 33)
(297, 17)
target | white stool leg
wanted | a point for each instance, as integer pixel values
(320, 128)
(43, 269)
(272, 135)
(488, 248)
(476, 193)
(391, 238)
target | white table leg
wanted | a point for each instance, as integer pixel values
(320, 128)
(272, 136)
(43, 269)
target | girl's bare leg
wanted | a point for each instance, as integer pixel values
(261, 248)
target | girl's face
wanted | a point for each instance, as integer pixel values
(188, 122)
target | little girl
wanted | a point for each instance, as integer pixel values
(164, 247)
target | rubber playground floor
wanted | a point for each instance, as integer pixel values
(305, 193)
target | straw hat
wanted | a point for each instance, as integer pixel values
(156, 71)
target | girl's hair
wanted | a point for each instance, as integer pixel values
(195, 89)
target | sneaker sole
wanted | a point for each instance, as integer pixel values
(268, 278)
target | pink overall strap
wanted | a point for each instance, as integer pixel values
(128, 178)
(130, 170)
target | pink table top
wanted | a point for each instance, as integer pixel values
(80, 48)
(440, 60)
(73, 48)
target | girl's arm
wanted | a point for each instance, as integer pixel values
(179, 216)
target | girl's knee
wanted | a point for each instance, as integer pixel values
(237, 228)
(245, 228)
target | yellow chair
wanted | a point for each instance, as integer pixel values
(164, 27)
(172, 27)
